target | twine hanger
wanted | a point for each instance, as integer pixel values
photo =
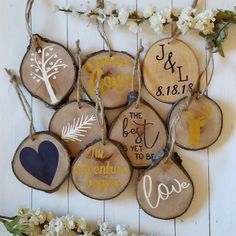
(101, 28)
(137, 71)
(28, 11)
(100, 110)
(26, 106)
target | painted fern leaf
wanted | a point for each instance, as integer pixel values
(76, 130)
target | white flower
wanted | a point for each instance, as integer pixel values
(101, 15)
(165, 16)
(149, 11)
(175, 12)
(156, 22)
(109, 7)
(113, 21)
(121, 230)
(186, 20)
(69, 222)
(123, 15)
(204, 21)
(81, 225)
(134, 27)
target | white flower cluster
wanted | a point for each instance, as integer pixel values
(41, 223)
(186, 19)
(120, 230)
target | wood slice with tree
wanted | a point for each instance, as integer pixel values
(48, 71)
(165, 190)
(116, 73)
(102, 171)
(42, 163)
(142, 132)
(76, 126)
(200, 125)
(170, 69)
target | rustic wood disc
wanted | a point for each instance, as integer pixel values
(200, 125)
(42, 163)
(77, 127)
(48, 71)
(101, 171)
(165, 190)
(141, 131)
(170, 69)
(116, 71)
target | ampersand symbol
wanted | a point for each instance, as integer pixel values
(169, 64)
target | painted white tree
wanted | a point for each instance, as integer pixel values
(46, 68)
(76, 130)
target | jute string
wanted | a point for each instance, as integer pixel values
(100, 110)
(137, 71)
(26, 106)
(28, 10)
(101, 30)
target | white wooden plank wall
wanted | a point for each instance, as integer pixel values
(213, 210)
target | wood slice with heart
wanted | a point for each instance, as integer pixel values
(165, 190)
(116, 73)
(42, 163)
(200, 124)
(141, 130)
(102, 171)
(170, 69)
(48, 71)
(76, 126)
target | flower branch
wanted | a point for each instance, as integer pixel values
(212, 25)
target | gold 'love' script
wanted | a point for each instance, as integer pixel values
(170, 69)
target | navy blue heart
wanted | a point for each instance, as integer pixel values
(42, 164)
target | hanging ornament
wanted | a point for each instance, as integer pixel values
(170, 69)
(165, 190)
(41, 161)
(139, 127)
(48, 69)
(101, 171)
(201, 118)
(115, 69)
(200, 125)
(76, 123)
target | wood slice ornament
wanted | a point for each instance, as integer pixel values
(42, 163)
(165, 190)
(76, 125)
(115, 68)
(170, 69)
(101, 171)
(139, 128)
(200, 124)
(48, 71)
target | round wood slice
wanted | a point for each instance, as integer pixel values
(170, 70)
(48, 71)
(165, 190)
(116, 71)
(101, 171)
(77, 127)
(43, 163)
(200, 125)
(141, 131)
